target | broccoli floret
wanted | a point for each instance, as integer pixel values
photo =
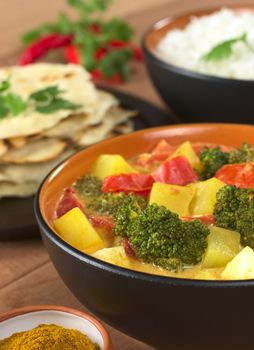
(234, 209)
(109, 203)
(243, 154)
(88, 186)
(212, 159)
(158, 236)
(130, 208)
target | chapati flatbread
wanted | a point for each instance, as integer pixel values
(72, 124)
(34, 172)
(3, 147)
(96, 133)
(72, 79)
(17, 141)
(35, 152)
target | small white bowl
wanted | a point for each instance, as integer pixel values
(26, 318)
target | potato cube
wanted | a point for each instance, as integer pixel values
(75, 229)
(205, 197)
(111, 164)
(223, 246)
(241, 267)
(186, 150)
(173, 197)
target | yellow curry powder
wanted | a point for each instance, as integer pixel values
(48, 337)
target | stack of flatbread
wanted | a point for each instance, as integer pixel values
(32, 143)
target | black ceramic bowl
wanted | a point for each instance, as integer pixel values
(193, 96)
(167, 313)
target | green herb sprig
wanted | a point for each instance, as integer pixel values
(224, 49)
(45, 101)
(88, 41)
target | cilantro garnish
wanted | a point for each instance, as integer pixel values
(14, 103)
(90, 33)
(10, 103)
(224, 50)
(115, 62)
(45, 101)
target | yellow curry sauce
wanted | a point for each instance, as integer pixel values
(86, 225)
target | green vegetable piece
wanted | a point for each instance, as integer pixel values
(89, 6)
(234, 210)
(14, 103)
(107, 203)
(4, 111)
(130, 208)
(46, 95)
(155, 233)
(5, 85)
(243, 154)
(212, 159)
(205, 196)
(115, 62)
(223, 50)
(47, 100)
(223, 246)
(88, 186)
(56, 105)
(117, 29)
(64, 24)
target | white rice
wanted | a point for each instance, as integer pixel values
(186, 47)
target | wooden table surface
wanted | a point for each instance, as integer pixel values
(27, 276)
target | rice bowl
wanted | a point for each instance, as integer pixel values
(186, 47)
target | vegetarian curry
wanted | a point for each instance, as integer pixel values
(183, 211)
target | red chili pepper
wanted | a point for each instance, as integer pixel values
(42, 46)
(71, 54)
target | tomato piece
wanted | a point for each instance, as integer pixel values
(239, 175)
(160, 153)
(103, 222)
(205, 219)
(129, 251)
(127, 183)
(162, 150)
(175, 171)
(69, 201)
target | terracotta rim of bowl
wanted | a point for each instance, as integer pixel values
(102, 265)
(157, 30)
(35, 308)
